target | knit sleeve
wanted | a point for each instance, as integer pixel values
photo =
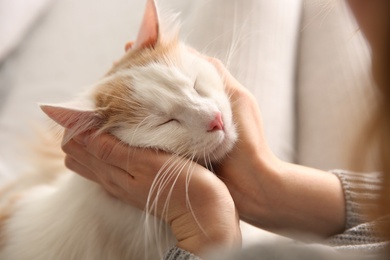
(176, 253)
(361, 191)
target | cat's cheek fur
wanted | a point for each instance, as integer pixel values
(160, 136)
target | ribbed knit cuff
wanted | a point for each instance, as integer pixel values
(361, 191)
(176, 253)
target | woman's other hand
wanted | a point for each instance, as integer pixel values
(193, 201)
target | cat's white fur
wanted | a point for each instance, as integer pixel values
(178, 97)
(74, 218)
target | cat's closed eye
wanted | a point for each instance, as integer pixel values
(172, 120)
(195, 86)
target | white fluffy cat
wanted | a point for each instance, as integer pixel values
(159, 95)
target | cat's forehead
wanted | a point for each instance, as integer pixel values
(161, 87)
(176, 73)
(173, 54)
(162, 79)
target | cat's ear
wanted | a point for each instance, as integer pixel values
(149, 31)
(72, 116)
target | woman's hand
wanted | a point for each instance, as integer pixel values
(200, 211)
(248, 171)
(268, 192)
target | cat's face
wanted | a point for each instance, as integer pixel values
(170, 98)
(160, 94)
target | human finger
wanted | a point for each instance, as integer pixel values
(116, 181)
(106, 148)
(91, 164)
(139, 162)
(113, 187)
(73, 165)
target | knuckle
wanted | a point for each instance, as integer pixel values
(69, 162)
(105, 151)
(66, 148)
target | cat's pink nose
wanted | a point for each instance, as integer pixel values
(216, 124)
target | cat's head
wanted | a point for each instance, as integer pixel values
(160, 94)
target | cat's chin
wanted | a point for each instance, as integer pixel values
(218, 153)
(221, 151)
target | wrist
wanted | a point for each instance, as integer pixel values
(303, 200)
(199, 244)
(264, 203)
(216, 225)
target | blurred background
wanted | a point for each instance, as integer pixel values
(305, 61)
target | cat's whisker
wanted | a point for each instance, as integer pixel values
(214, 159)
(172, 174)
(189, 173)
(165, 169)
(137, 128)
(205, 157)
(208, 160)
(235, 39)
(149, 208)
(179, 164)
(169, 171)
(238, 40)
